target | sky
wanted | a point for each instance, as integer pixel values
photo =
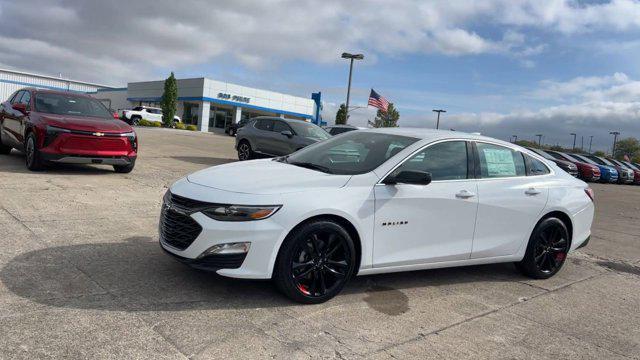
(499, 67)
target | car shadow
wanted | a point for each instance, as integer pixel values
(15, 163)
(136, 275)
(203, 160)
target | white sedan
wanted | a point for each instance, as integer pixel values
(377, 201)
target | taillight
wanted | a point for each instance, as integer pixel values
(116, 116)
(590, 193)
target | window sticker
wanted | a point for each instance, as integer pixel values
(499, 162)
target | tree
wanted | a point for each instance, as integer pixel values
(169, 100)
(527, 143)
(341, 115)
(629, 146)
(386, 119)
(599, 153)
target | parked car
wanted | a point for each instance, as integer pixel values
(633, 179)
(63, 127)
(339, 129)
(232, 128)
(636, 171)
(430, 199)
(273, 136)
(609, 174)
(133, 116)
(588, 171)
(565, 165)
(625, 176)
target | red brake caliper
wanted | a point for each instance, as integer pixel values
(304, 289)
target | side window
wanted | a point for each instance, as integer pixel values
(26, 99)
(499, 161)
(280, 126)
(264, 124)
(16, 97)
(536, 167)
(445, 161)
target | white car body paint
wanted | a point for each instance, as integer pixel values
(442, 230)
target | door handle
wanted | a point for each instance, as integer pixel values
(464, 194)
(532, 191)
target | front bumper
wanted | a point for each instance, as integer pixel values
(98, 160)
(211, 262)
(264, 235)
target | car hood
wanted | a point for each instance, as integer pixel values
(265, 177)
(86, 123)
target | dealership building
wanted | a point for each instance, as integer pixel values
(218, 103)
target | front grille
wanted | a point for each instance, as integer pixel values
(178, 230)
(187, 205)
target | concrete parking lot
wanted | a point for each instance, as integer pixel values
(82, 276)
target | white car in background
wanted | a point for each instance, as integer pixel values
(133, 116)
(411, 199)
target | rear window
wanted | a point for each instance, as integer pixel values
(68, 104)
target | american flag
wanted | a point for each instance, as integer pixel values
(378, 101)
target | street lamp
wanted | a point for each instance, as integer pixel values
(515, 138)
(351, 57)
(615, 140)
(539, 139)
(438, 121)
(590, 142)
(574, 141)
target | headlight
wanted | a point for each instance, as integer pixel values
(241, 212)
(51, 130)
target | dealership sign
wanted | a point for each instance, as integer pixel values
(237, 98)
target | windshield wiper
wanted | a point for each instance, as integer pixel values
(313, 166)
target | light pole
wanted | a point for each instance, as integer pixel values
(351, 57)
(574, 141)
(539, 139)
(615, 140)
(582, 143)
(590, 142)
(515, 138)
(438, 121)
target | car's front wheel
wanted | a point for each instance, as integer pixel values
(124, 169)
(244, 151)
(32, 154)
(135, 120)
(315, 262)
(4, 149)
(547, 249)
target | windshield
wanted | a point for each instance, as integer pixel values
(596, 160)
(69, 104)
(631, 165)
(308, 130)
(584, 159)
(355, 152)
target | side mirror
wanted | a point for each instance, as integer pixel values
(287, 133)
(413, 177)
(20, 107)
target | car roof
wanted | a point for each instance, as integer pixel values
(281, 119)
(432, 135)
(60, 92)
(346, 126)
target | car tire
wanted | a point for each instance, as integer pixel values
(135, 120)
(124, 169)
(244, 151)
(232, 132)
(4, 149)
(315, 261)
(33, 158)
(547, 249)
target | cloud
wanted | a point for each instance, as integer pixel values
(129, 40)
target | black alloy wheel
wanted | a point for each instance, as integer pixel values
(547, 249)
(315, 262)
(135, 121)
(244, 151)
(32, 154)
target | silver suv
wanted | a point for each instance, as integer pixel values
(273, 136)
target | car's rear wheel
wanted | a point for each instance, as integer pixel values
(4, 149)
(547, 249)
(124, 169)
(315, 262)
(244, 151)
(232, 132)
(32, 154)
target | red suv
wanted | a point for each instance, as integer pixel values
(64, 127)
